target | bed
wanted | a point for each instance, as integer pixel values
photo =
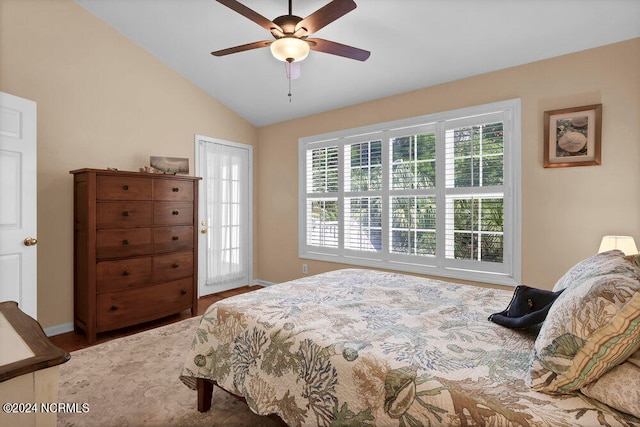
(362, 347)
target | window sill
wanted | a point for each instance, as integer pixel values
(427, 270)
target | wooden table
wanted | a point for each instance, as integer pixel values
(29, 366)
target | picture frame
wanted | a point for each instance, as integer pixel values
(169, 165)
(572, 136)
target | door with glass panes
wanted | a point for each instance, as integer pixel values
(225, 219)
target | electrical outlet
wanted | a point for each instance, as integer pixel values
(305, 270)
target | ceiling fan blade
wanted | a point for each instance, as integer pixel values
(339, 49)
(250, 14)
(326, 15)
(242, 48)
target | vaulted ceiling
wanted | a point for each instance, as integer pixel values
(413, 44)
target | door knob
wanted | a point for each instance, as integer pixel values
(203, 231)
(30, 241)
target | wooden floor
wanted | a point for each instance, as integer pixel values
(72, 341)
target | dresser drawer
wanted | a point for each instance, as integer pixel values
(123, 188)
(167, 213)
(172, 239)
(122, 308)
(123, 274)
(172, 266)
(119, 243)
(123, 214)
(173, 190)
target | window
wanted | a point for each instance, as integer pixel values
(436, 194)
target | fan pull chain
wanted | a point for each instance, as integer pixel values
(293, 72)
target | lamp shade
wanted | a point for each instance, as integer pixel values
(624, 243)
(290, 49)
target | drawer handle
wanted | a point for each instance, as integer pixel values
(126, 213)
(175, 213)
(175, 238)
(176, 265)
(126, 273)
(114, 307)
(125, 187)
(183, 292)
(175, 189)
(125, 242)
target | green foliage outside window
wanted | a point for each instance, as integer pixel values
(478, 155)
(414, 162)
(478, 229)
(324, 166)
(413, 225)
(366, 166)
(478, 161)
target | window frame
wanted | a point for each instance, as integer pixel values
(506, 273)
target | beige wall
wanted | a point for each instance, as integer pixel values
(102, 102)
(565, 211)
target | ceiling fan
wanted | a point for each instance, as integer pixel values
(291, 32)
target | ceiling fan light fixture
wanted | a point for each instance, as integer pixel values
(290, 49)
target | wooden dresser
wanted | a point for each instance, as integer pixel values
(135, 246)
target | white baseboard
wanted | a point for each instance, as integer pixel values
(262, 283)
(59, 329)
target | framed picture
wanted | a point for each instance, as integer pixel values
(170, 165)
(572, 136)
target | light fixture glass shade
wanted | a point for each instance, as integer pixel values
(289, 49)
(624, 243)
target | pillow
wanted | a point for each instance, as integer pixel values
(528, 307)
(593, 326)
(633, 259)
(619, 388)
(586, 268)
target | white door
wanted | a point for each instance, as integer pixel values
(18, 202)
(225, 215)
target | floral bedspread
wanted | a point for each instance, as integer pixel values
(362, 348)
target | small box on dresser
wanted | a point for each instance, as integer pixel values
(135, 248)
